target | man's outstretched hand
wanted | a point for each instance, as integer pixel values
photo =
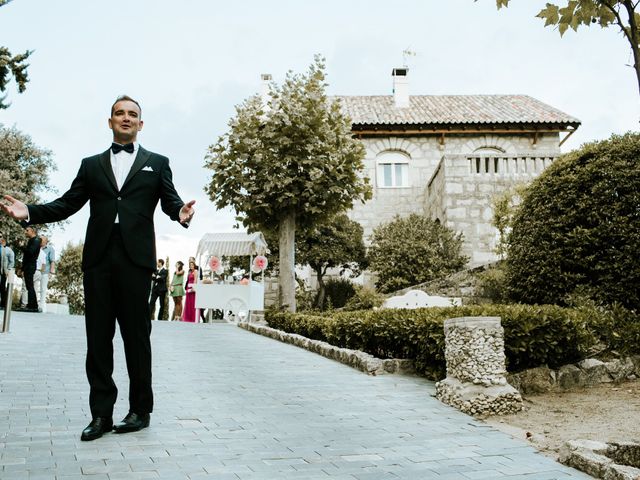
(186, 212)
(15, 208)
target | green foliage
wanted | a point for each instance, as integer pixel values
(337, 292)
(24, 174)
(68, 277)
(365, 298)
(579, 227)
(504, 207)
(12, 66)
(294, 154)
(584, 13)
(492, 284)
(534, 335)
(412, 250)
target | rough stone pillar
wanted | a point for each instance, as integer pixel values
(476, 383)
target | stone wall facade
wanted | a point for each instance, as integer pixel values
(443, 184)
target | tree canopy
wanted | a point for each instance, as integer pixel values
(24, 174)
(288, 163)
(412, 250)
(577, 230)
(573, 14)
(68, 277)
(12, 66)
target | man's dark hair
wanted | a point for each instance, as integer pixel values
(125, 97)
(161, 261)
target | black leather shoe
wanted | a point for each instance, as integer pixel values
(96, 428)
(132, 423)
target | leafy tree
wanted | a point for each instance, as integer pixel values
(68, 277)
(412, 250)
(12, 66)
(24, 174)
(578, 228)
(504, 208)
(288, 165)
(577, 13)
(337, 243)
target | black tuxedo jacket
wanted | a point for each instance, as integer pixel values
(149, 180)
(30, 254)
(160, 280)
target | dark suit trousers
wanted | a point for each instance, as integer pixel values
(31, 291)
(116, 288)
(155, 295)
(3, 290)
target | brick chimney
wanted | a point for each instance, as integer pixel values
(400, 87)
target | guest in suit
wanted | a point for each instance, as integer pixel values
(30, 254)
(158, 289)
(7, 263)
(123, 186)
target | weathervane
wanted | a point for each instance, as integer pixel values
(405, 54)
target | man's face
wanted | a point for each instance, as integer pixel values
(159, 265)
(43, 241)
(125, 122)
(29, 232)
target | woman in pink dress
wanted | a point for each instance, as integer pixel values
(190, 313)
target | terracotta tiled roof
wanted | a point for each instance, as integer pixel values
(453, 110)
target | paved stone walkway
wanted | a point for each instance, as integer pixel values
(231, 404)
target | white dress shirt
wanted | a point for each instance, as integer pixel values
(121, 164)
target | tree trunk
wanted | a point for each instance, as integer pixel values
(633, 38)
(287, 279)
(321, 289)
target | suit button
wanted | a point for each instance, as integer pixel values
(119, 198)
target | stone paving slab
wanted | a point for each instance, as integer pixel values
(231, 404)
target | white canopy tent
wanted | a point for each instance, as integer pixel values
(233, 244)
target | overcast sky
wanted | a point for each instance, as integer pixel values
(190, 62)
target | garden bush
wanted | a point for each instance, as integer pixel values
(365, 298)
(337, 292)
(578, 227)
(411, 250)
(534, 335)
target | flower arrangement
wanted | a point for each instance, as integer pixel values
(259, 264)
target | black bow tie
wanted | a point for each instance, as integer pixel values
(117, 148)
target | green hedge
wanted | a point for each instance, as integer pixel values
(534, 335)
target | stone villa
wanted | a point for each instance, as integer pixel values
(447, 156)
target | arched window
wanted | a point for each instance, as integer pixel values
(392, 170)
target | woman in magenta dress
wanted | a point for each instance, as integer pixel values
(190, 313)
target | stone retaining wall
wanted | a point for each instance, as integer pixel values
(582, 374)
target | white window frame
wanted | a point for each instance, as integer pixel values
(394, 159)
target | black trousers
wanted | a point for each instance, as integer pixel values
(152, 303)
(117, 289)
(32, 301)
(3, 290)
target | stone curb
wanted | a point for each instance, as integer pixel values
(354, 358)
(598, 459)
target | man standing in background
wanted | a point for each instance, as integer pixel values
(7, 263)
(29, 266)
(48, 267)
(158, 289)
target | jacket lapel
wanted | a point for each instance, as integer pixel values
(105, 162)
(138, 163)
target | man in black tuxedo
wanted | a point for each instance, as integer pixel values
(158, 289)
(123, 186)
(30, 253)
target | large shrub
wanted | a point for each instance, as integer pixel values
(578, 227)
(338, 291)
(68, 277)
(412, 250)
